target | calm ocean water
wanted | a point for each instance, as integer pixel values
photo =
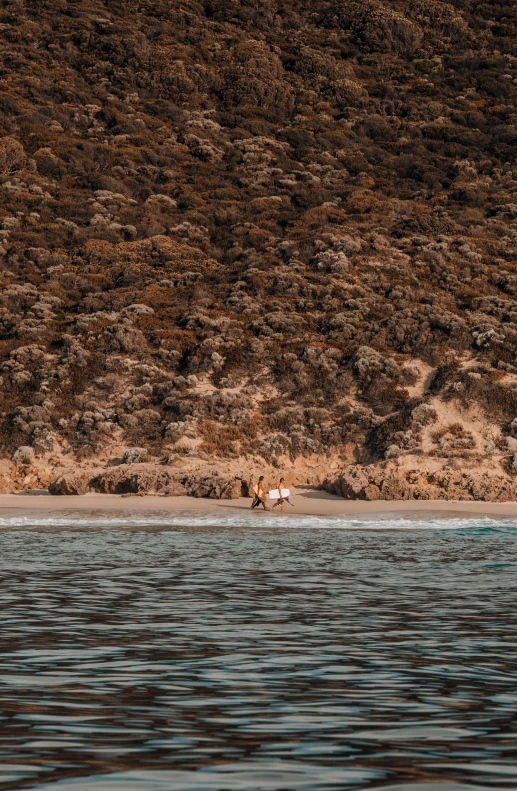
(148, 652)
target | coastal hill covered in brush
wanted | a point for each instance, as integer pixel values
(245, 230)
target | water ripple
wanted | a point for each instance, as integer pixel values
(152, 652)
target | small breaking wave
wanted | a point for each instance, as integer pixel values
(185, 520)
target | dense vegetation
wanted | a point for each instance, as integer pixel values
(213, 210)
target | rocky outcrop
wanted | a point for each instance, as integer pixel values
(217, 488)
(138, 479)
(150, 479)
(70, 483)
(382, 482)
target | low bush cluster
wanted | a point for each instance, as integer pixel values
(235, 226)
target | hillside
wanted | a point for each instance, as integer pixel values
(247, 232)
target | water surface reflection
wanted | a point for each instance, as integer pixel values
(153, 657)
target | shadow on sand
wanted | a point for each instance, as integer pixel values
(32, 493)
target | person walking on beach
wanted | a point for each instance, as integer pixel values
(281, 500)
(260, 495)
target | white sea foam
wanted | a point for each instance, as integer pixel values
(184, 520)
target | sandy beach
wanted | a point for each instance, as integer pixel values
(307, 501)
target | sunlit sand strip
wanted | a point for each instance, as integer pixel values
(309, 502)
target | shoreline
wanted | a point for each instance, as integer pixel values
(306, 502)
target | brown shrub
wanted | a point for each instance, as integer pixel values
(12, 156)
(268, 152)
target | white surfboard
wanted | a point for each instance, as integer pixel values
(276, 494)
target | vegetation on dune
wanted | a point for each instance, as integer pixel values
(217, 209)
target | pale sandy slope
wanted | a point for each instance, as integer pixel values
(306, 501)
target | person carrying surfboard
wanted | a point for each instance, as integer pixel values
(259, 494)
(281, 499)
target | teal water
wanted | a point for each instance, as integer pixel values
(149, 652)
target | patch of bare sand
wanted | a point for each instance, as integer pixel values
(307, 501)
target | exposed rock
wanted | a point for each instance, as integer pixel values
(492, 489)
(134, 455)
(70, 483)
(138, 479)
(23, 455)
(372, 492)
(216, 488)
(377, 482)
(351, 484)
(155, 479)
(395, 488)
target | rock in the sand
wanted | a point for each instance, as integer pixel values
(395, 488)
(139, 479)
(150, 479)
(70, 483)
(492, 489)
(372, 492)
(215, 487)
(382, 482)
(350, 484)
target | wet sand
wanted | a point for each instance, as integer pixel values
(306, 501)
